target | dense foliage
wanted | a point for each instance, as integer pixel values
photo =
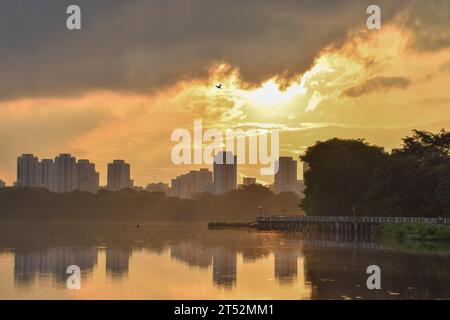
(239, 205)
(349, 177)
(418, 232)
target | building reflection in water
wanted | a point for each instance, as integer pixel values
(117, 261)
(253, 254)
(51, 262)
(286, 265)
(193, 254)
(224, 261)
(302, 268)
(224, 267)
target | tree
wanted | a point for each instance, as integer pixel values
(415, 181)
(424, 145)
(339, 176)
(412, 181)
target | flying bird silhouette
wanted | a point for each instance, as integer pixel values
(219, 86)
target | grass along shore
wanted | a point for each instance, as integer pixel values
(415, 232)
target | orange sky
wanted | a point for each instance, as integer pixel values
(374, 85)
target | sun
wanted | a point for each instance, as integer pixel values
(269, 95)
(270, 98)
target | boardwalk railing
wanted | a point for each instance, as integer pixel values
(349, 219)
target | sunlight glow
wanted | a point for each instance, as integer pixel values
(269, 95)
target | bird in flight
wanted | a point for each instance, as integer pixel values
(219, 86)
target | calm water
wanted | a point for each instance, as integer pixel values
(192, 262)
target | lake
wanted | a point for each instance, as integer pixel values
(174, 261)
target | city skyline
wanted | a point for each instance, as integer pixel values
(124, 100)
(29, 264)
(61, 174)
(65, 174)
(234, 150)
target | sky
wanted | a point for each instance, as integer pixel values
(138, 70)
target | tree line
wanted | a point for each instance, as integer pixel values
(243, 205)
(353, 177)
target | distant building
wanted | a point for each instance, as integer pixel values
(225, 172)
(179, 187)
(194, 182)
(87, 177)
(158, 187)
(286, 177)
(47, 175)
(63, 174)
(306, 167)
(27, 171)
(119, 175)
(299, 188)
(203, 180)
(2, 184)
(66, 173)
(248, 181)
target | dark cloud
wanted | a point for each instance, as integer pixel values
(430, 22)
(377, 84)
(142, 45)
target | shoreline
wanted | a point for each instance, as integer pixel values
(417, 232)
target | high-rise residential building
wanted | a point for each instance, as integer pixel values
(180, 187)
(225, 172)
(66, 173)
(119, 175)
(286, 177)
(63, 174)
(203, 180)
(47, 175)
(2, 184)
(194, 182)
(27, 171)
(248, 181)
(87, 177)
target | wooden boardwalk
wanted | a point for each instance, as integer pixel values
(338, 223)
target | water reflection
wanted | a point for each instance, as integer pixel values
(52, 262)
(222, 264)
(117, 261)
(223, 261)
(406, 276)
(224, 267)
(286, 265)
(192, 254)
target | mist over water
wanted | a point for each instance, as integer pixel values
(174, 261)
